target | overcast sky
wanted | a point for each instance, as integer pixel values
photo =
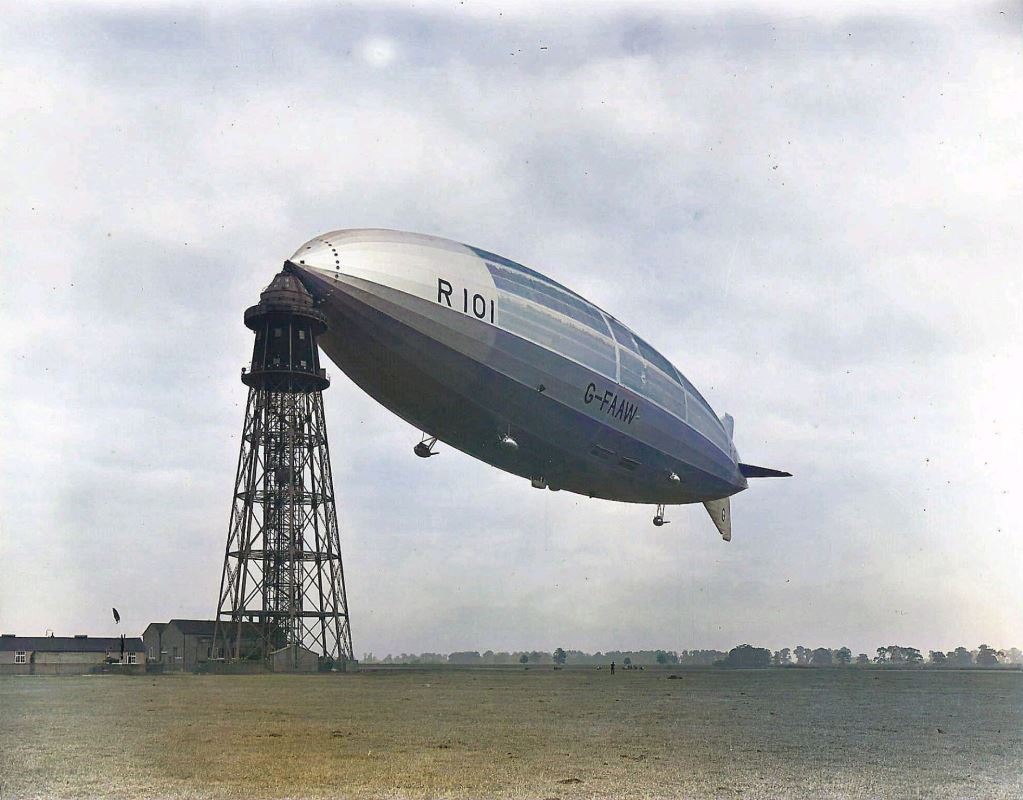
(815, 215)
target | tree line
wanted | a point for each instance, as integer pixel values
(744, 655)
(983, 656)
(559, 656)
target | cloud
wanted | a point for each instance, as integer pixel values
(812, 214)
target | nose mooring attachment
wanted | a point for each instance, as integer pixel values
(659, 519)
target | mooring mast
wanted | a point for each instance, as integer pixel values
(283, 583)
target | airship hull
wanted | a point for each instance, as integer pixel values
(398, 331)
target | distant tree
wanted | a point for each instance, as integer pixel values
(662, 657)
(802, 654)
(703, 658)
(843, 655)
(465, 657)
(1014, 655)
(936, 657)
(559, 656)
(986, 656)
(961, 657)
(746, 655)
(524, 659)
(897, 654)
(862, 659)
(626, 661)
(782, 657)
(821, 657)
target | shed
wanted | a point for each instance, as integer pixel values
(295, 658)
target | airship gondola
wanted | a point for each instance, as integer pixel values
(501, 362)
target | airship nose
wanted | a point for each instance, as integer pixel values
(318, 254)
(312, 279)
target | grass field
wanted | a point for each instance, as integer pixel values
(515, 733)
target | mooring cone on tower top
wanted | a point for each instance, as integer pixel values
(282, 591)
(284, 355)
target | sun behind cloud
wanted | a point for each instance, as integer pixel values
(378, 51)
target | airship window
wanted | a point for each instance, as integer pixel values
(666, 393)
(622, 334)
(301, 335)
(650, 383)
(532, 286)
(493, 260)
(690, 388)
(579, 343)
(633, 372)
(701, 418)
(656, 358)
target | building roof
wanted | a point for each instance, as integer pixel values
(206, 627)
(71, 644)
(195, 627)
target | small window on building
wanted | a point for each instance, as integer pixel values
(150, 653)
(133, 658)
(20, 656)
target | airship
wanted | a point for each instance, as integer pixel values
(501, 362)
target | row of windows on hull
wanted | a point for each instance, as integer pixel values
(549, 315)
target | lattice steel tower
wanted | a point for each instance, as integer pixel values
(283, 583)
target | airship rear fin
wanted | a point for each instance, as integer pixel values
(721, 512)
(729, 422)
(753, 471)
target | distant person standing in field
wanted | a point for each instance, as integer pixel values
(612, 667)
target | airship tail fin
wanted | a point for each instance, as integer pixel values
(729, 422)
(721, 512)
(753, 471)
